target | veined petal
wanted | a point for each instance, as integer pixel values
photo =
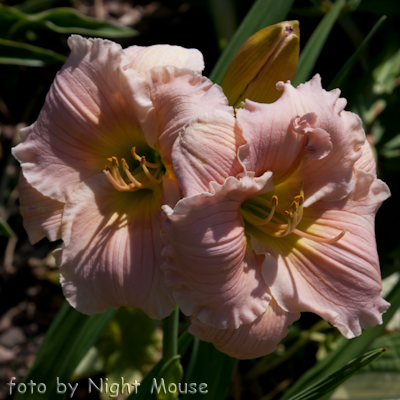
(253, 340)
(143, 59)
(367, 160)
(211, 271)
(272, 146)
(206, 150)
(326, 174)
(179, 95)
(41, 215)
(111, 254)
(95, 109)
(340, 281)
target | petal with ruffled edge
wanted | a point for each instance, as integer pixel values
(179, 95)
(207, 151)
(111, 254)
(143, 59)
(212, 274)
(41, 215)
(279, 147)
(340, 281)
(253, 340)
(96, 108)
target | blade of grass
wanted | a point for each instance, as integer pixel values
(263, 13)
(346, 350)
(312, 49)
(348, 66)
(327, 385)
(69, 338)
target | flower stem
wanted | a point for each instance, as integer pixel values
(170, 336)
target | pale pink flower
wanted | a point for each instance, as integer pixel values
(277, 219)
(113, 107)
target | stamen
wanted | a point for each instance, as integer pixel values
(319, 239)
(149, 175)
(143, 160)
(132, 178)
(125, 188)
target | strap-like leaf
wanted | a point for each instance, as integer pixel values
(68, 339)
(348, 66)
(18, 53)
(326, 385)
(346, 350)
(312, 49)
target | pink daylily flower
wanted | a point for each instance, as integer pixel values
(277, 218)
(123, 109)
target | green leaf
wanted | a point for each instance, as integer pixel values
(31, 6)
(25, 54)
(390, 362)
(348, 66)
(158, 371)
(223, 13)
(5, 229)
(346, 350)
(59, 20)
(326, 385)
(67, 341)
(210, 367)
(146, 391)
(263, 13)
(312, 49)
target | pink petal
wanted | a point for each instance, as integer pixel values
(95, 109)
(143, 59)
(179, 95)
(253, 340)
(206, 151)
(278, 146)
(41, 215)
(341, 281)
(212, 273)
(111, 254)
(367, 160)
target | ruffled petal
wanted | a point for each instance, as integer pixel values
(206, 150)
(111, 254)
(95, 109)
(253, 340)
(367, 160)
(212, 273)
(41, 215)
(143, 59)
(280, 145)
(340, 281)
(179, 95)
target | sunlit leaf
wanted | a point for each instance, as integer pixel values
(18, 53)
(68, 339)
(60, 20)
(346, 350)
(329, 383)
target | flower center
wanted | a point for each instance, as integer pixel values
(263, 215)
(147, 175)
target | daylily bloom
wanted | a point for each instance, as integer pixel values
(96, 167)
(277, 218)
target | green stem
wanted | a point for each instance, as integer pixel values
(170, 337)
(264, 365)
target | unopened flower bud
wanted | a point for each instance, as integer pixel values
(267, 57)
